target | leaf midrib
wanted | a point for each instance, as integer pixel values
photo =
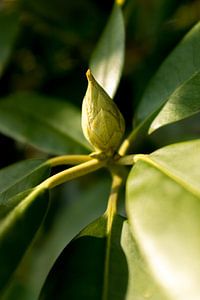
(185, 185)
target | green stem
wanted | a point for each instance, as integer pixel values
(72, 173)
(138, 133)
(68, 160)
(114, 194)
(126, 160)
(127, 143)
(110, 213)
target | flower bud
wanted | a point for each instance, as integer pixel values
(102, 123)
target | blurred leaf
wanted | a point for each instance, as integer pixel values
(47, 123)
(108, 57)
(175, 83)
(21, 176)
(163, 193)
(77, 209)
(18, 229)
(9, 26)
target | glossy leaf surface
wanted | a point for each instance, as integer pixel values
(49, 124)
(175, 87)
(108, 57)
(183, 103)
(163, 193)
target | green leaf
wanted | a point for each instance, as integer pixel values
(76, 209)
(21, 176)
(183, 103)
(9, 27)
(18, 228)
(91, 267)
(108, 57)
(174, 90)
(141, 284)
(163, 193)
(47, 123)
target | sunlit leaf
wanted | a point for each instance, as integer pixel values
(141, 284)
(108, 57)
(163, 206)
(47, 123)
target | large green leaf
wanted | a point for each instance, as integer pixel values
(21, 176)
(47, 123)
(141, 284)
(163, 206)
(94, 267)
(175, 87)
(18, 228)
(108, 57)
(75, 210)
(9, 26)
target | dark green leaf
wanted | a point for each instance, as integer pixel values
(9, 26)
(163, 205)
(79, 273)
(94, 267)
(108, 57)
(18, 228)
(184, 102)
(175, 87)
(21, 176)
(49, 124)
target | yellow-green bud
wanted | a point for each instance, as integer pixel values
(102, 123)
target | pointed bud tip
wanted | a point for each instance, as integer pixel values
(89, 75)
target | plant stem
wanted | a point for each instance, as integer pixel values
(127, 143)
(112, 201)
(68, 160)
(72, 173)
(138, 133)
(110, 214)
(126, 160)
